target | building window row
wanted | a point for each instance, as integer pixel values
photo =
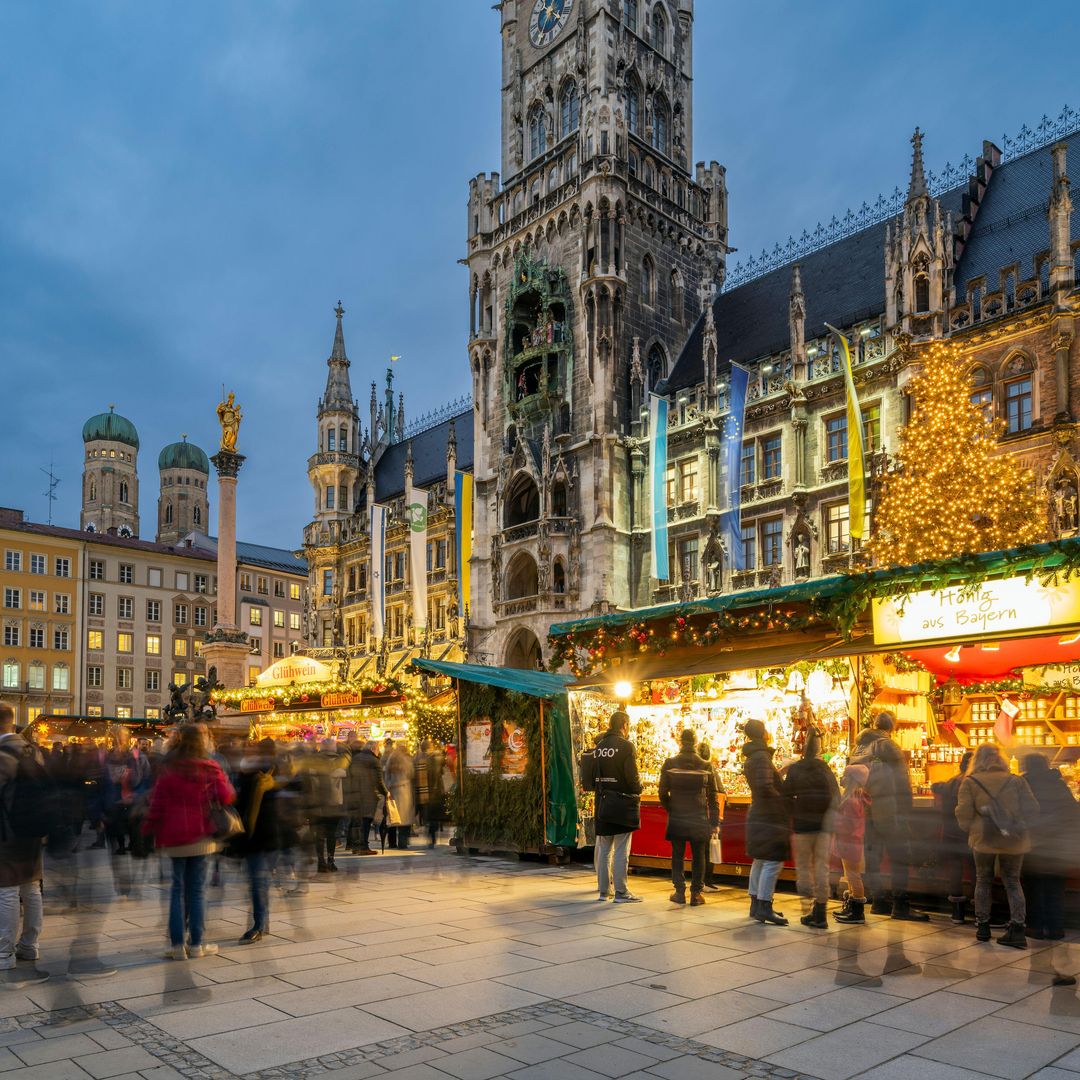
(13, 563)
(37, 676)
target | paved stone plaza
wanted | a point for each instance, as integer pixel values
(430, 966)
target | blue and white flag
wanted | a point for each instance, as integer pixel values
(731, 521)
(376, 574)
(658, 422)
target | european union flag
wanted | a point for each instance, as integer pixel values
(731, 522)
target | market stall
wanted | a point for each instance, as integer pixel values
(961, 652)
(299, 699)
(516, 789)
(47, 731)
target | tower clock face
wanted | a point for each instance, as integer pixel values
(547, 20)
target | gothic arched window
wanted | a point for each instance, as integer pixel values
(922, 293)
(343, 440)
(648, 280)
(629, 14)
(537, 131)
(168, 513)
(569, 109)
(661, 124)
(123, 491)
(196, 516)
(656, 366)
(633, 106)
(659, 29)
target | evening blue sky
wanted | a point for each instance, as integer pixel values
(186, 190)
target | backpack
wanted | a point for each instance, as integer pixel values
(1000, 824)
(28, 804)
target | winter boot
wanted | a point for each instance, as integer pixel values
(1014, 936)
(882, 904)
(902, 910)
(959, 905)
(846, 909)
(982, 931)
(753, 907)
(854, 916)
(678, 897)
(696, 899)
(767, 915)
(817, 918)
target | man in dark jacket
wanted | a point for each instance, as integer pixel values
(689, 794)
(888, 825)
(365, 787)
(610, 769)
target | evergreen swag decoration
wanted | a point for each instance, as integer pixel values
(493, 812)
(954, 490)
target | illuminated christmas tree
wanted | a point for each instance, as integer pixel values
(954, 491)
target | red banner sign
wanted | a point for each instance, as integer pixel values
(341, 700)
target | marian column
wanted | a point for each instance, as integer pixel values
(226, 646)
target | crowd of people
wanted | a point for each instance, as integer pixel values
(1021, 826)
(282, 811)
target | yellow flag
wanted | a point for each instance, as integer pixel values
(855, 456)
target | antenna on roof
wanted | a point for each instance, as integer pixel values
(54, 481)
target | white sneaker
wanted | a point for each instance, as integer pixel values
(197, 952)
(602, 897)
(628, 898)
(176, 952)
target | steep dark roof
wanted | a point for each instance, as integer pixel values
(129, 543)
(429, 457)
(845, 282)
(272, 558)
(1011, 225)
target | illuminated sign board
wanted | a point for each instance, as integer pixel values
(994, 608)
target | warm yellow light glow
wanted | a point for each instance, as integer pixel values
(991, 647)
(623, 690)
(1069, 639)
(953, 655)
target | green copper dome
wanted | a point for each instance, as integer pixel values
(183, 455)
(111, 427)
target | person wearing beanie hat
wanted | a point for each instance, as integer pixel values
(849, 829)
(689, 794)
(812, 793)
(767, 824)
(610, 770)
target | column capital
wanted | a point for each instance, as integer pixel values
(227, 463)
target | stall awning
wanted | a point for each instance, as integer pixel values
(534, 683)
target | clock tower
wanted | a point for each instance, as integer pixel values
(589, 257)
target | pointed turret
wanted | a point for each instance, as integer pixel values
(917, 186)
(338, 394)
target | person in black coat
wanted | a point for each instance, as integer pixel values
(955, 855)
(689, 794)
(256, 803)
(812, 792)
(705, 753)
(610, 770)
(767, 825)
(1051, 858)
(364, 788)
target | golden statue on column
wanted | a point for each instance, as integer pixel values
(229, 416)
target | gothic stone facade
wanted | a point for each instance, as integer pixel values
(587, 261)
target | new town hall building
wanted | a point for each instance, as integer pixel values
(598, 273)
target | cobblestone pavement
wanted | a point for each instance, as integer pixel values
(428, 966)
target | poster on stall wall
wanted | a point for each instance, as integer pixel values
(515, 751)
(478, 745)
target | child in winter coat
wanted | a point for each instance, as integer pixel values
(849, 827)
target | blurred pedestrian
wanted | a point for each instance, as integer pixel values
(1052, 857)
(812, 793)
(610, 770)
(399, 775)
(705, 753)
(329, 769)
(179, 818)
(687, 791)
(21, 776)
(954, 853)
(429, 788)
(849, 834)
(258, 844)
(767, 825)
(365, 788)
(995, 808)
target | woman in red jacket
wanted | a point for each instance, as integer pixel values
(190, 783)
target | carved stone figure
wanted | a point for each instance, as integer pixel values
(802, 555)
(496, 569)
(1065, 504)
(713, 561)
(229, 416)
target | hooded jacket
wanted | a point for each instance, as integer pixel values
(973, 808)
(767, 825)
(179, 814)
(689, 794)
(889, 783)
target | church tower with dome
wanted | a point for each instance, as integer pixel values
(110, 487)
(183, 503)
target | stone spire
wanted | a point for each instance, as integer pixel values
(917, 187)
(1059, 214)
(451, 463)
(399, 418)
(797, 324)
(338, 394)
(408, 463)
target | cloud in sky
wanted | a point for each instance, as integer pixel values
(186, 191)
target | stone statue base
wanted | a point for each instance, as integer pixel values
(230, 658)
